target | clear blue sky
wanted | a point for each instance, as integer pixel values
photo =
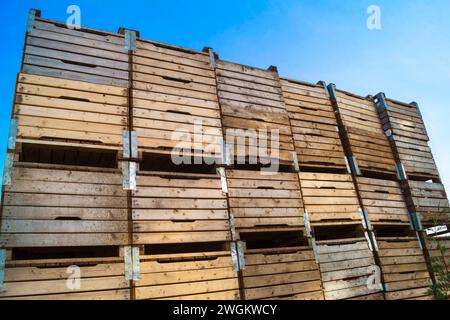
(408, 59)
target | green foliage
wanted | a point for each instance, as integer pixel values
(441, 268)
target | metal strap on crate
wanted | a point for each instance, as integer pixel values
(8, 167)
(315, 250)
(366, 234)
(212, 58)
(223, 179)
(237, 256)
(401, 174)
(226, 153)
(295, 160)
(307, 224)
(132, 263)
(32, 14)
(130, 146)
(332, 91)
(2, 266)
(347, 165)
(419, 241)
(324, 85)
(232, 227)
(365, 219)
(415, 221)
(354, 165)
(380, 102)
(12, 135)
(129, 175)
(130, 40)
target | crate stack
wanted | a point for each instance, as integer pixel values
(333, 216)
(377, 174)
(63, 202)
(141, 170)
(263, 190)
(426, 198)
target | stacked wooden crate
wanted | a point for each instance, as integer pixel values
(64, 212)
(141, 170)
(253, 111)
(421, 182)
(425, 195)
(363, 137)
(264, 193)
(314, 125)
(179, 212)
(331, 204)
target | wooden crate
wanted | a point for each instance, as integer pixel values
(383, 200)
(179, 208)
(404, 122)
(345, 266)
(330, 198)
(430, 200)
(52, 49)
(67, 112)
(365, 135)
(52, 206)
(281, 273)
(52, 279)
(187, 276)
(404, 268)
(260, 202)
(314, 125)
(251, 99)
(174, 89)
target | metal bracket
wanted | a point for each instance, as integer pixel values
(347, 165)
(226, 154)
(295, 160)
(129, 175)
(223, 180)
(380, 102)
(401, 175)
(354, 165)
(314, 247)
(365, 218)
(418, 240)
(332, 92)
(324, 85)
(132, 263)
(415, 221)
(12, 135)
(415, 104)
(212, 59)
(2, 266)
(8, 167)
(130, 40)
(307, 224)
(375, 243)
(232, 227)
(32, 14)
(130, 151)
(237, 256)
(368, 240)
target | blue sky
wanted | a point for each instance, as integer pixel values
(408, 59)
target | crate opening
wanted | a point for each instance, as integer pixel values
(266, 167)
(85, 157)
(269, 240)
(64, 252)
(194, 247)
(326, 167)
(164, 163)
(393, 231)
(337, 232)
